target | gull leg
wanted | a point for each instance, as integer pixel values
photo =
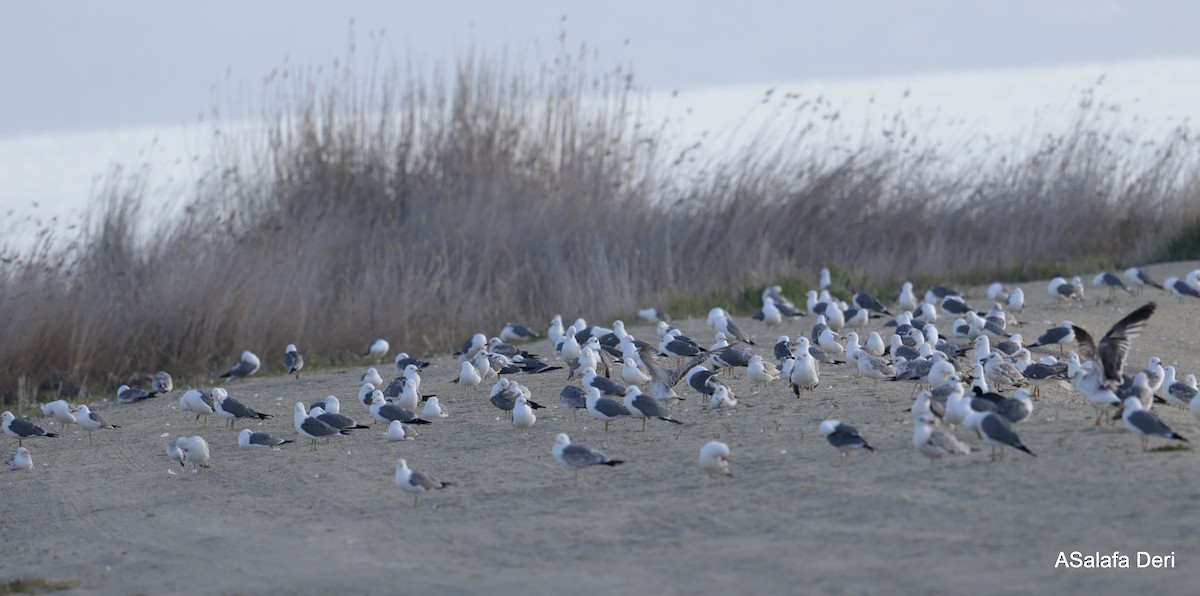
(1145, 442)
(605, 430)
(643, 425)
(576, 477)
(415, 497)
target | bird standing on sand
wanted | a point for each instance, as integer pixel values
(414, 482)
(246, 366)
(292, 360)
(714, 459)
(21, 429)
(576, 456)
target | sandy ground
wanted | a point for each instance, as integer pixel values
(115, 516)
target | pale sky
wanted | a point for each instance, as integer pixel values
(76, 65)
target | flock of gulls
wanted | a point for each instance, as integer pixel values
(959, 374)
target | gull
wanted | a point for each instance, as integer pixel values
(230, 408)
(1001, 372)
(192, 450)
(1065, 291)
(679, 347)
(1017, 408)
(504, 396)
(61, 410)
(569, 348)
(899, 350)
(926, 313)
(90, 421)
(1180, 288)
(907, 300)
(522, 415)
(1091, 383)
(517, 332)
(1061, 335)
(21, 429)
(602, 384)
(468, 375)
(162, 382)
(721, 398)
(1180, 393)
(293, 361)
(1036, 373)
(787, 308)
(762, 372)
(654, 315)
(330, 404)
(714, 459)
(1112, 282)
(398, 431)
(385, 412)
(576, 456)
(843, 437)
(199, 402)
(409, 397)
(663, 381)
(769, 314)
(730, 358)
(830, 342)
(874, 368)
(632, 374)
(1139, 279)
(720, 342)
(874, 345)
(377, 350)
(834, 316)
(335, 419)
(804, 373)
(20, 460)
(720, 320)
(312, 428)
(433, 409)
(645, 406)
(1016, 301)
(412, 481)
(924, 405)
(248, 439)
(857, 318)
(128, 395)
(996, 430)
(1139, 387)
(1109, 354)
(364, 393)
(1010, 346)
(604, 408)
(825, 281)
(246, 366)
(1146, 423)
(532, 366)
(403, 360)
(934, 443)
(572, 398)
(1154, 373)
(936, 294)
(174, 452)
(555, 331)
(866, 301)
(702, 380)
(955, 305)
(372, 376)
(996, 292)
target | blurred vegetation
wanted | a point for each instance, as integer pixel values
(424, 204)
